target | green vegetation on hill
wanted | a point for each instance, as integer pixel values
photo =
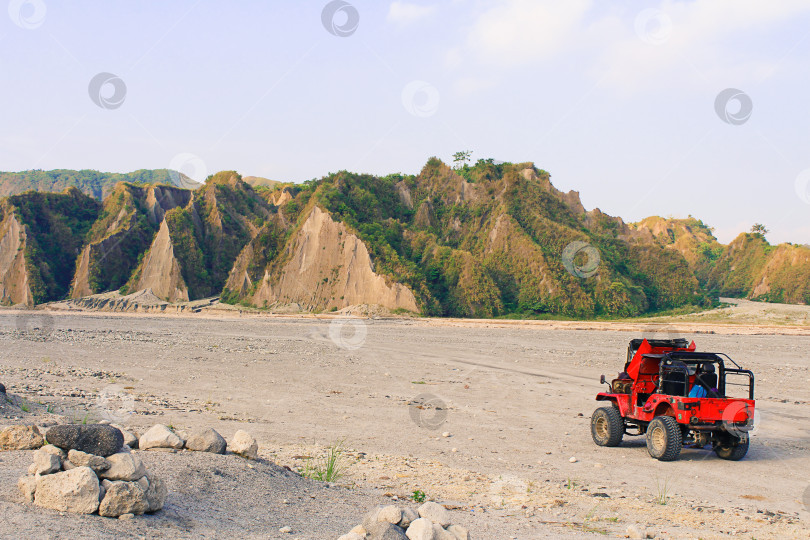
(128, 233)
(93, 183)
(482, 240)
(57, 225)
(440, 246)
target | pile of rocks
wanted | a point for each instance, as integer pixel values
(160, 437)
(431, 521)
(87, 469)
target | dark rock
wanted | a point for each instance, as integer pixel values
(97, 439)
(2, 389)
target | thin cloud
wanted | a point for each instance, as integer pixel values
(524, 31)
(408, 13)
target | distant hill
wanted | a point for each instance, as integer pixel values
(491, 239)
(749, 267)
(93, 183)
(257, 181)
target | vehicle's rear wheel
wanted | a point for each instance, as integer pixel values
(733, 448)
(664, 438)
(607, 426)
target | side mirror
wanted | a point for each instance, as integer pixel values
(602, 379)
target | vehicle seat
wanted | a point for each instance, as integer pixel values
(709, 382)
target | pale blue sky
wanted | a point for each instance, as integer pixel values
(617, 108)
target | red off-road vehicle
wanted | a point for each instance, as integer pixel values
(652, 396)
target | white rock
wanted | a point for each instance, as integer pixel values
(351, 536)
(160, 436)
(46, 463)
(636, 532)
(435, 513)
(55, 450)
(28, 486)
(572, 460)
(83, 459)
(123, 466)
(75, 491)
(440, 534)
(285, 529)
(420, 529)
(459, 532)
(244, 445)
(446, 434)
(389, 514)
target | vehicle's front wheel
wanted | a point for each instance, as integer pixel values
(607, 426)
(733, 448)
(664, 438)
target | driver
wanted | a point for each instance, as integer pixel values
(705, 382)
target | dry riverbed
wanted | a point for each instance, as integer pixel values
(514, 402)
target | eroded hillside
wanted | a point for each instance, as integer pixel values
(476, 241)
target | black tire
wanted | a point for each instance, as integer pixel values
(734, 449)
(664, 438)
(607, 426)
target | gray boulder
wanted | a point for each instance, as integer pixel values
(435, 513)
(160, 436)
(383, 530)
(409, 515)
(2, 389)
(83, 459)
(55, 450)
(123, 498)
(156, 494)
(207, 441)
(99, 439)
(45, 462)
(124, 466)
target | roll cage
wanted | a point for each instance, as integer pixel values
(678, 372)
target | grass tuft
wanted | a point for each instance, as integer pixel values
(329, 467)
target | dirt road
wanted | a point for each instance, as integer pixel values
(515, 402)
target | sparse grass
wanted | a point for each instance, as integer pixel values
(586, 523)
(327, 468)
(662, 496)
(418, 496)
(570, 484)
(24, 406)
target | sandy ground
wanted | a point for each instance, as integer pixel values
(515, 399)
